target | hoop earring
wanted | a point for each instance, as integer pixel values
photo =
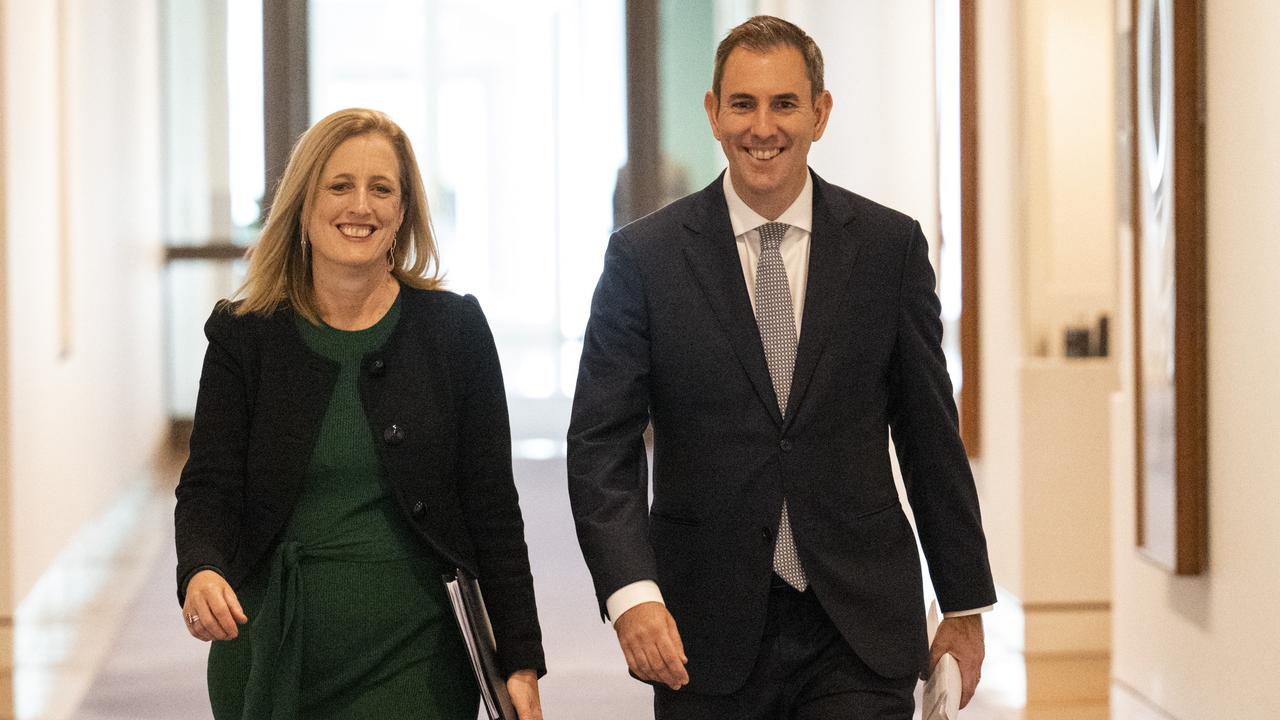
(306, 246)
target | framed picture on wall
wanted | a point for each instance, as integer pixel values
(1169, 284)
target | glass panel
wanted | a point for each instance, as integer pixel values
(191, 288)
(213, 120)
(212, 75)
(516, 113)
(691, 157)
(245, 141)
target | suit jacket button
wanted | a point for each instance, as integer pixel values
(419, 510)
(785, 445)
(766, 534)
(377, 368)
(393, 435)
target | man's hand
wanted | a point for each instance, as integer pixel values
(962, 637)
(523, 688)
(652, 645)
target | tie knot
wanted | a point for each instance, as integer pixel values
(771, 234)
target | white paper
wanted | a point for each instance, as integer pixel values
(942, 691)
(941, 700)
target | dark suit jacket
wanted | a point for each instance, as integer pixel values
(434, 399)
(672, 339)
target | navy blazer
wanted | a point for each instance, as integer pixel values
(433, 396)
(672, 339)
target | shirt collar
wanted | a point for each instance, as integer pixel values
(742, 218)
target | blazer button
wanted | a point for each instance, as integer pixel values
(767, 535)
(785, 445)
(419, 510)
(377, 368)
(393, 435)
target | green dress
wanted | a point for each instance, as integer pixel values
(349, 619)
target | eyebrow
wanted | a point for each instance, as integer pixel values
(780, 96)
(349, 176)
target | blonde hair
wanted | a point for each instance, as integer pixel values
(279, 264)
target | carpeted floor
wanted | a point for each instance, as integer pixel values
(156, 671)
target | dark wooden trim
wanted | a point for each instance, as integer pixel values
(1135, 199)
(1189, 282)
(1190, 294)
(1064, 607)
(221, 250)
(642, 175)
(286, 92)
(970, 327)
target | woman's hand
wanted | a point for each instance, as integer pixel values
(212, 610)
(523, 688)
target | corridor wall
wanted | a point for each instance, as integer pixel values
(1204, 647)
(80, 320)
(881, 141)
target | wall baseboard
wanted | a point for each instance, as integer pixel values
(1129, 704)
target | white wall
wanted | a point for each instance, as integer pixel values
(881, 141)
(1069, 207)
(1000, 257)
(84, 423)
(1205, 648)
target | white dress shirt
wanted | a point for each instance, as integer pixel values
(795, 258)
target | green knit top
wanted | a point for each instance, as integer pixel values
(346, 504)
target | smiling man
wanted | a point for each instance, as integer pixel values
(774, 329)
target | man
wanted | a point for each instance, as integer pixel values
(772, 327)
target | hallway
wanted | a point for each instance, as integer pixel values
(154, 671)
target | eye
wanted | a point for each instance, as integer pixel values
(384, 190)
(340, 186)
(741, 104)
(786, 105)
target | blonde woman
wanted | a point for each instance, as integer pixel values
(351, 445)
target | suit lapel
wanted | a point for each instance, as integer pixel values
(713, 258)
(832, 252)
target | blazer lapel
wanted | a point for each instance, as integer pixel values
(832, 252)
(714, 261)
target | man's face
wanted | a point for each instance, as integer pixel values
(765, 119)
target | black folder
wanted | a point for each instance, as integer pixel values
(473, 620)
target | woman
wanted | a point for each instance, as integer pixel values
(351, 446)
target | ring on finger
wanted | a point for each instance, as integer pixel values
(192, 618)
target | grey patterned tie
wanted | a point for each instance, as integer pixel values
(775, 317)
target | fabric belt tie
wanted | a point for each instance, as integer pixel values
(275, 671)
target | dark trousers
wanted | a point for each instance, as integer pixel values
(805, 671)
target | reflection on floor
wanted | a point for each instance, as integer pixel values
(155, 671)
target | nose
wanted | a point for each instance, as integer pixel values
(762, 123)
(361, 200)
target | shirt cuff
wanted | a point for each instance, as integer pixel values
(629, 596)
(962, 613)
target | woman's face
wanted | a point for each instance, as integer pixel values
(357, 207)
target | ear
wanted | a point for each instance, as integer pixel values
(712, 105)
(822, 113)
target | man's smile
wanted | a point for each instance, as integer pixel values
(763, 153)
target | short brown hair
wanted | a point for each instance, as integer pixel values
(279, 268)
(763, 33)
